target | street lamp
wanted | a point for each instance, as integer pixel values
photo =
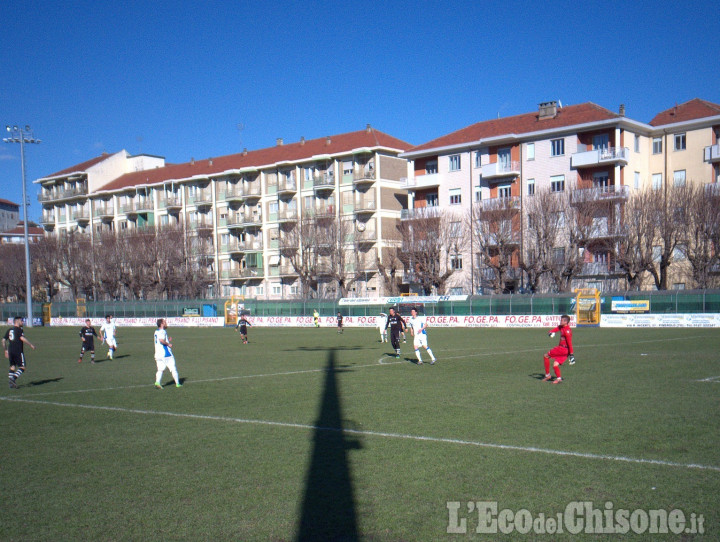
(24, 135)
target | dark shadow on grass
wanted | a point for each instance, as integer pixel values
(537, 376)
(327, 348)
(42, 382)
(118, 357)
(328, 507)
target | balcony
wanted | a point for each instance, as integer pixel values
(321, 211)
(201, 198)
(599, 193)
(252, 273)
(144, 205)
(234, 273)
(495, 205)
(600, 269)
(419, 213)
(242, 220)
(105, 212)
(417, 182)
(171, 203)
(365, 206)
(81, 216)
(201, 225)
(364, 175)
(712, 190)
(47, 218)
(367, 236)
(324, 182)
(605, 230)
(286, 187)
(500, 170)
(287, 270)
(489, 274)
(287, 215)
(712, 153)
(610, 155)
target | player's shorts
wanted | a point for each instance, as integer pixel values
(243, 330)
(88, 346)
(17, 360)
(112, 343)
(559, 354)
(420, 340)
(167, 362)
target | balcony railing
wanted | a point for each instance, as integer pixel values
(608, 155)
(508, 273)
(600, 269)
(286, 270)
(421, 181)
(47, 218)
(324, 182)
(81, 215)
(712, 153)
(171, 202)
(366, 236)
(144, 205)
(286, 215)
(286, 186)
(364, 175)
(365, 206)
(420, 212)
(712, 190)
(599, 193)
(105, 211)
(500, 169)
(201, 198)
(499, 204)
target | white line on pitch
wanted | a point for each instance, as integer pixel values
(444, 440)
(714, 379)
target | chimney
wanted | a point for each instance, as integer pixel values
(368, 128)
(328, 140)
(192, 161)
(210, 161)
(548, 110)
(244, 153)
(279, 142)
(302, 140)
(622, 110)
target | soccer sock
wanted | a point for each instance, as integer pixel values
(158, 376)
(547, 365)
(417, 354)
(432, 357)
(19, 373)
(92, 357)
(11, 376)
(557, 371)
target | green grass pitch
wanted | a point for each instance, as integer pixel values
(304, 434)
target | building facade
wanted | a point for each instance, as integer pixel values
(242, 211)
(9, 215)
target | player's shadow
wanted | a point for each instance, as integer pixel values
(328, 507)
(537, 376)
(327, 348)
(43, 382)
(119, 357)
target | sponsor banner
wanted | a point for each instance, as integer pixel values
(404, 300)
(635, 305)
(144, 322)
(660, 320)
(37, 321)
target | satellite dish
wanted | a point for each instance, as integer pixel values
(361, 227)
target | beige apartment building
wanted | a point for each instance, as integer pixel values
(604, 156)
(241, 206)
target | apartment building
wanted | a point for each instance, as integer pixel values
(9, 215)
(498, 165)
(240, 208)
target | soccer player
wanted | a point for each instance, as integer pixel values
(418, 329)
(87, 336)
(164, 358)
(397, 325)
(12, 343)
(382, 326)
(242, 328)
(562, 352)
(340, 322)
(316, 318)
(109, 331)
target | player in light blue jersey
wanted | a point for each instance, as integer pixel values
(418, 328)
(164, 358)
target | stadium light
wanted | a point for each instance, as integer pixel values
(22, 136)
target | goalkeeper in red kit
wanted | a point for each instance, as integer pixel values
(562, 352)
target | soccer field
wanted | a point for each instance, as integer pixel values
(304, 434)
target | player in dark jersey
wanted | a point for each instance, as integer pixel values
(340, 322)
(12, 343)
(562, 352)
(241, 326)
(397, 326)
(87, 336)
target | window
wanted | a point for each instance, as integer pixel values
(456, 261)
(504, 191)
(259, 290)
(637, 143)
(431, 200)
(456, 290)
(559, 255)
(478, 193)
(478, 159)
(601, 180)
(657, 145)
(557, 147)
(557, 183)
(656, 253)
(679, 177)
(530, 151)
(680, 252)
(531, 187)
(560, 218)
(347, 167)
(679, 142)
(657, 181)
(678, 285)
(637, 180)
(455, 229)
(455, 196)
(454, 162)
(431, 166)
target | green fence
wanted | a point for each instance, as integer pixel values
(665, 302)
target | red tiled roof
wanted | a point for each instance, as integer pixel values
(290, 152)
(694, 109)
(19, 230)
(83, 166)
(569, 115)
(8, 202)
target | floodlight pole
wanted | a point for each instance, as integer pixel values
(22, 136)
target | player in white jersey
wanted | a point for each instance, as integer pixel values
(418, 328)
(164, 358)
(382, 326)
(108, 332)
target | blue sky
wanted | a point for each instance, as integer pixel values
(177, 79)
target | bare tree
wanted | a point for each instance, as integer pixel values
(76, 263)
(541, 231)
(298, 241)
(634, 255)
(44, 259)
(700, 233)
(428, 243)
(495, 236)
(12, 271)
